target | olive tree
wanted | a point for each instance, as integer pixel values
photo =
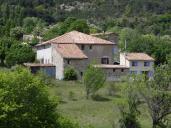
(94, 79)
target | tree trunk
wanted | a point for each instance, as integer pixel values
(154, 124)
(87, 95)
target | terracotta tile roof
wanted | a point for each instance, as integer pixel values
(70, 51)
(76, 37)
(138, 56)
(38, 65)
(107, 66)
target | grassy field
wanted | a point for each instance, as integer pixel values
(99, 114)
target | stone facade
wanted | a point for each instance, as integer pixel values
(115, 74)
(95, 53)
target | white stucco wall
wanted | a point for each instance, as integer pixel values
(123, 60)
(45, 53)
(59, 63)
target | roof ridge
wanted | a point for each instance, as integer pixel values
(77, 37)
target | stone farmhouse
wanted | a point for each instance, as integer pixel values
(78, 50)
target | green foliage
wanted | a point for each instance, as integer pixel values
(19, 54)
(128, 121)
(70, 74)
(129, 109)
(71, 95)
(25, 101)
(150, 17)
(34, 41)
(30, 23)
(156, 94)
(68, 25)
(113, 88)
(94, 79)
(79, 25)
(5, 44)
(66, 123)
(17, 33)
(13, 52)
(153, 45)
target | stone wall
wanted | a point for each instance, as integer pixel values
(115, 74)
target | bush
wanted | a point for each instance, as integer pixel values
(70, 74)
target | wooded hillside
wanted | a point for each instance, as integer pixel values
(123, 13)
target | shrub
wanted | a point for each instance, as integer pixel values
(70, 74)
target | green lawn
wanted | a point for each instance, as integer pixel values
(99, 114)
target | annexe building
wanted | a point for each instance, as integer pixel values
(138, 63)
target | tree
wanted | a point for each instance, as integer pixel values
(68, 25)
(94, 79)
(17, 33)
(129, 107)
(5, 44)
(157, 96)
(19, 54)
(79, 25)
(25, 102)
(128, 36)
(29, 23)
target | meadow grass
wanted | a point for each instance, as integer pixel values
(99, 114)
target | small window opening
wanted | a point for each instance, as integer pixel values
(90, 47)
(68, 62)
(81, 73)
(82, 47)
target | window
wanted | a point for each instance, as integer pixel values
(90, 47)
(105, 60)
(68, 62)
(146, 64)
(122, 70)
(81, 73)
(82, 47)
(134, 63)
